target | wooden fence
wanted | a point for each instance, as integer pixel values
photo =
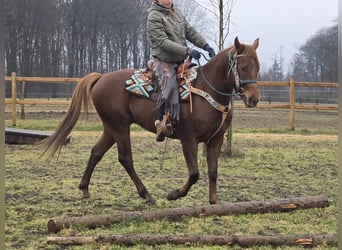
(291, 105)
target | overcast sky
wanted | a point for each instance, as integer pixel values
(282, 25)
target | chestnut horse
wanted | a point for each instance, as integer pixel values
(232, 70)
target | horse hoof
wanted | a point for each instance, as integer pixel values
(86, 194)
(151, 201)
(215, 202)
(173, 195)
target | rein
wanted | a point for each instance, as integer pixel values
(209, 84)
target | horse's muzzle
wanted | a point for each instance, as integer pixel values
(252, 102)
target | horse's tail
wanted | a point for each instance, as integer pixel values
(81, 96)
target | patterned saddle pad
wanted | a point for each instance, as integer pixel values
(141, 84)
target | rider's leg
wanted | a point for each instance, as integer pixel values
(160, 113)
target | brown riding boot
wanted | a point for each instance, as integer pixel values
(159, 134)
(166, 125)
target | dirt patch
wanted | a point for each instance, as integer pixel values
(287, 136)
(144, 134)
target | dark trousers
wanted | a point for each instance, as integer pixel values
(168, 100)
(161, 111)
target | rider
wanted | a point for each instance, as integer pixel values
(168, 31)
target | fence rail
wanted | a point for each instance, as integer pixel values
(292, 106)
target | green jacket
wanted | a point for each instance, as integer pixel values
(168, 31)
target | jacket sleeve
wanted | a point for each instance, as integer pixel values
(159, 37)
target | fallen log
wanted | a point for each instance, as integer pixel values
(281, 205)
(220, 240)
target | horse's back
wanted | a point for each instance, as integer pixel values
(116, 105)
(108, 94)
(111, 83)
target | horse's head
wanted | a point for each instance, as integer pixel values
(245, 66)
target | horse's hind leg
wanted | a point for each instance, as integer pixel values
(190, 153)
(125, 158)
(97, 152)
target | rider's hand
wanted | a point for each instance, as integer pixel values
(210, 50)
(193, 53)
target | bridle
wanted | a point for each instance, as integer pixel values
(232, 64)
(232, 67)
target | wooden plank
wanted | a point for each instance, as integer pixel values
(317, 84)
(43, 102)
(44, 79)
(48, 79)
(299, 84)
(264, 106)
(268, 83)
(38, 102)
(26, 136)
(316, 107)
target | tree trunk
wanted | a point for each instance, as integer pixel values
(282, 205)
(220, 240)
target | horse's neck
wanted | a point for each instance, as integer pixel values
(215, 73)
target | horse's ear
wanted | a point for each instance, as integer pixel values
(238, 46)
(256, 43)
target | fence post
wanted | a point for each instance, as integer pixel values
(22, 96)
(292, 103)
(14, 99)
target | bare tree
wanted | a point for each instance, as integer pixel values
(33, 37)
(221, 11)
(317, 58)
(195, 14)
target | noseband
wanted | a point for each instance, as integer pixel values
(232, 64)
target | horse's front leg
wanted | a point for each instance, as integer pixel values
(190, 153)
(213, 152)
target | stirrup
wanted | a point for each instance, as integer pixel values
(166, 125)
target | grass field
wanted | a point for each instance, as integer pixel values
(269, 161)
